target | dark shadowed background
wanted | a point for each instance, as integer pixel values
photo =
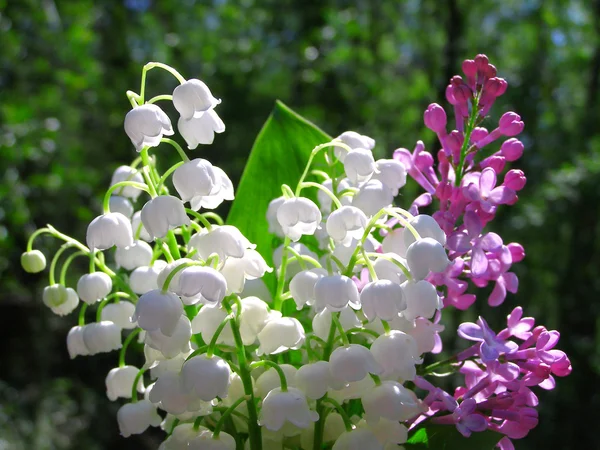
(369, 66)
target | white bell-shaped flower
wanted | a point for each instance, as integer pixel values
(391, 173)
(345, 224)
(119, 382)
(163, 213)
(325, 200)
(253, 318)
(207, 441)
(274, 226)
(137, 255)
(33, 261)
(302, 286)
(237, 270)
(60, 299)
(224, 241)
(321, 323)
(382, 299)
(139, 231)
(353, 140)
(425, 333)
(121, 205)
(94, 286)
(156, 310)
(422, 300)
(390, 400)
(222, 190)
(207, 377)
(372, 197)
(269, 379)
(204, 284)
(101, 337)
(426, 255)
(109, 229)
(389, 433)
(195, 178)
(343, 392)
(335, 292)
(192, 98)
(120, 313)
(298, 216)
(181, 436)
(352, 363)
(280, 334)
(75, 344)
(173, 345)
(208, 320)
(427, 227)
(159, 365)
(200, 130)
(314, 379)
(145, 125)
(393, 242)
(174, 285)
(280, 407)
(388, 270)
(127, 173)
(359, 165)
(135, 418)
(145, 278)
(171, 395)
(358, 439)
(396, 352)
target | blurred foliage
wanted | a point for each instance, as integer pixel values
(370, 66)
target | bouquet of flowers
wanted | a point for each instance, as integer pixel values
(316, 337)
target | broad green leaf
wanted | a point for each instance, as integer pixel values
(447, 437)
(279, 155)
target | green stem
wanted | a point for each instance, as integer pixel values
(330, 194)
(432, 367)
(35, 234)
(57, 255)
(274, 365)
(200, 218)
(213, 341)
(107, 300)
(160, 97)
(152, 65)
(227, 413)
(173, 246)
(364, 331)
(199, 351)
(369, 265)
(169, 171)
(335, 319)
(121, 184)
(177, 147)
(82, 310)
(214, 216)
(139, 375)
(179, 268)
(463, 151)
(67, 263)
(341, 411)
(278, 301)
(145, 172)
(128, 341)
(320, 425)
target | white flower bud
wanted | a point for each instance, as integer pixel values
(93, 287)
(222, 190)
(119, 382)
(121, 205)
(236, 270)
(393, 242)
(298, 216)
(180, 437)
(206, 323)
(352, 363)
(137, 255)
(101, 337)
(427, 227)
(358, 439)
(426, 255)
(382, 299)
(61, 300)
(200, 130)
(120, 313)
(391, 173)
(353, 140)
(206, 377)
(195, 178)
(75, 344)
(173, 345)
(359, 165)
(156, 310)
(425, 333)
(171, 395)
(205, 282)
(145, 125)
(108, 230)
(274, 226)
(422, 300)
(388, 432)
(345, 224)
(279, 407)
(145, 278)
(396, 352)
(314, 379)
(372, 197)
(390, 400)
(269, 379)
(302, 286)
(127, 173)
(33, 261)
(192, 98)
(135, 418)
(279, 335)
(335, 293)
(163, 213)
(322, 321)
(207, 441)
(388, 270)
(139, 231)
(224, 241)
(253, 318)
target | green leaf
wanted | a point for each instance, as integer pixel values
(447, 437)
(279, 156)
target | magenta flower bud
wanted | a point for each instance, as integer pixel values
(510, 124)
(492, 87)
(478, 134)
(454, 141)
(469, 68)
(512, 149)
(443, 191)
(496, 162)
(460, 90)
(491, 71)
(515, 179)
(516, 251)
(481, 62)
(450, 95)
(435, 118)
(424, 161)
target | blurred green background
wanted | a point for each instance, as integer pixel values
(369, 66)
